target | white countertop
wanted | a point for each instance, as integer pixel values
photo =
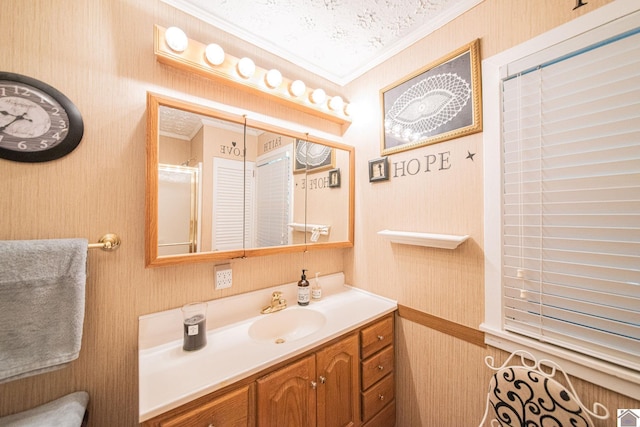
(170, 377)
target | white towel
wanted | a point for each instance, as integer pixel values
(42, 288)
(67, 411)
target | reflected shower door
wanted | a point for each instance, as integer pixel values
(178, 210)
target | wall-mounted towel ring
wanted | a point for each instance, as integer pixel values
(108, 242)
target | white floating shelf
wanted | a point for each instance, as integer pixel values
(444, 241)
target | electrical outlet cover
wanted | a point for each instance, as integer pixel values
(223, 276)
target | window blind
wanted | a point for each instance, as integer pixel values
(273, 206)
(571, 201)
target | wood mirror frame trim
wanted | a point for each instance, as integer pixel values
(152, 259)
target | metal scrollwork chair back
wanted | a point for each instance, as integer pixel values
(524, 394)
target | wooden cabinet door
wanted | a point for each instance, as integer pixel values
(338, 384)
(232, 409)
(287, 397)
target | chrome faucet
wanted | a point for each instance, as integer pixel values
(277, 303)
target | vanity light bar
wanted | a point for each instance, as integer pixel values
(212, 62)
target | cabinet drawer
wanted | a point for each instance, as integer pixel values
(376, 336)
(374, 399)
(230, 409)
(384, 418)
(376, 367)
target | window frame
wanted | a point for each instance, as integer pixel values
(610, 376)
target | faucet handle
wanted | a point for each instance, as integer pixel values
(276, 295)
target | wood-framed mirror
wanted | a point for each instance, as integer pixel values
(221, 184)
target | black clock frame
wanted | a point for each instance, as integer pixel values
(70, 141)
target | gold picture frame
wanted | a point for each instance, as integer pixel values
(312, 157)
(438, 102)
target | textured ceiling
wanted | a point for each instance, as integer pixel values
(179, 124)
(185, 125)
(336, 39)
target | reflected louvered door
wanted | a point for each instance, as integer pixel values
(228, 204)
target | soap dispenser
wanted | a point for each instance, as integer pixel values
(316, 290)
(303, 290)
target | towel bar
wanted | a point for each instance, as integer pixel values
(108, 242)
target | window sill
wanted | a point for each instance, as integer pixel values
(607, 375)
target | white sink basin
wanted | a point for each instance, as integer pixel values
(287, 325)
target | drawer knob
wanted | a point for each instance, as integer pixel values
(381, 397)
(380, 367)
(323, 379)
(314, 385)
(380, 337)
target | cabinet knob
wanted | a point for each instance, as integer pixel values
(323, 379)
(381, 397)
(380, 367)
(380, 337)
(314, 385)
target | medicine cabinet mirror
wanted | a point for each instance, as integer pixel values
(223, 185)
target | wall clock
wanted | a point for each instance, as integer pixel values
(37, 122)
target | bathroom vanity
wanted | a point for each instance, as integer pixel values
(330, 363)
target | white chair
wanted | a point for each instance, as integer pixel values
(522, 394)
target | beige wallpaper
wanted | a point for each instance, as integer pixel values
(442, 380)
(100, 54)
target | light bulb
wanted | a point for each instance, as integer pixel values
(336, 103)
(318, 96)
(273, 78)
(348, 110)
(176, 39)
(297, 88)
(214, 54)
(246, 67)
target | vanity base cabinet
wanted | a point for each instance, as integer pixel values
(320, 390)
(234, 408)
(348, 382)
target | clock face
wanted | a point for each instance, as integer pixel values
(37, 122)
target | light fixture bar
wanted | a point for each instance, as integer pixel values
(193, 59)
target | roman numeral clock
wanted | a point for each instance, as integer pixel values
(37, 122)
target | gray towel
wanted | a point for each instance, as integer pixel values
(67, 411)
(42, 287)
